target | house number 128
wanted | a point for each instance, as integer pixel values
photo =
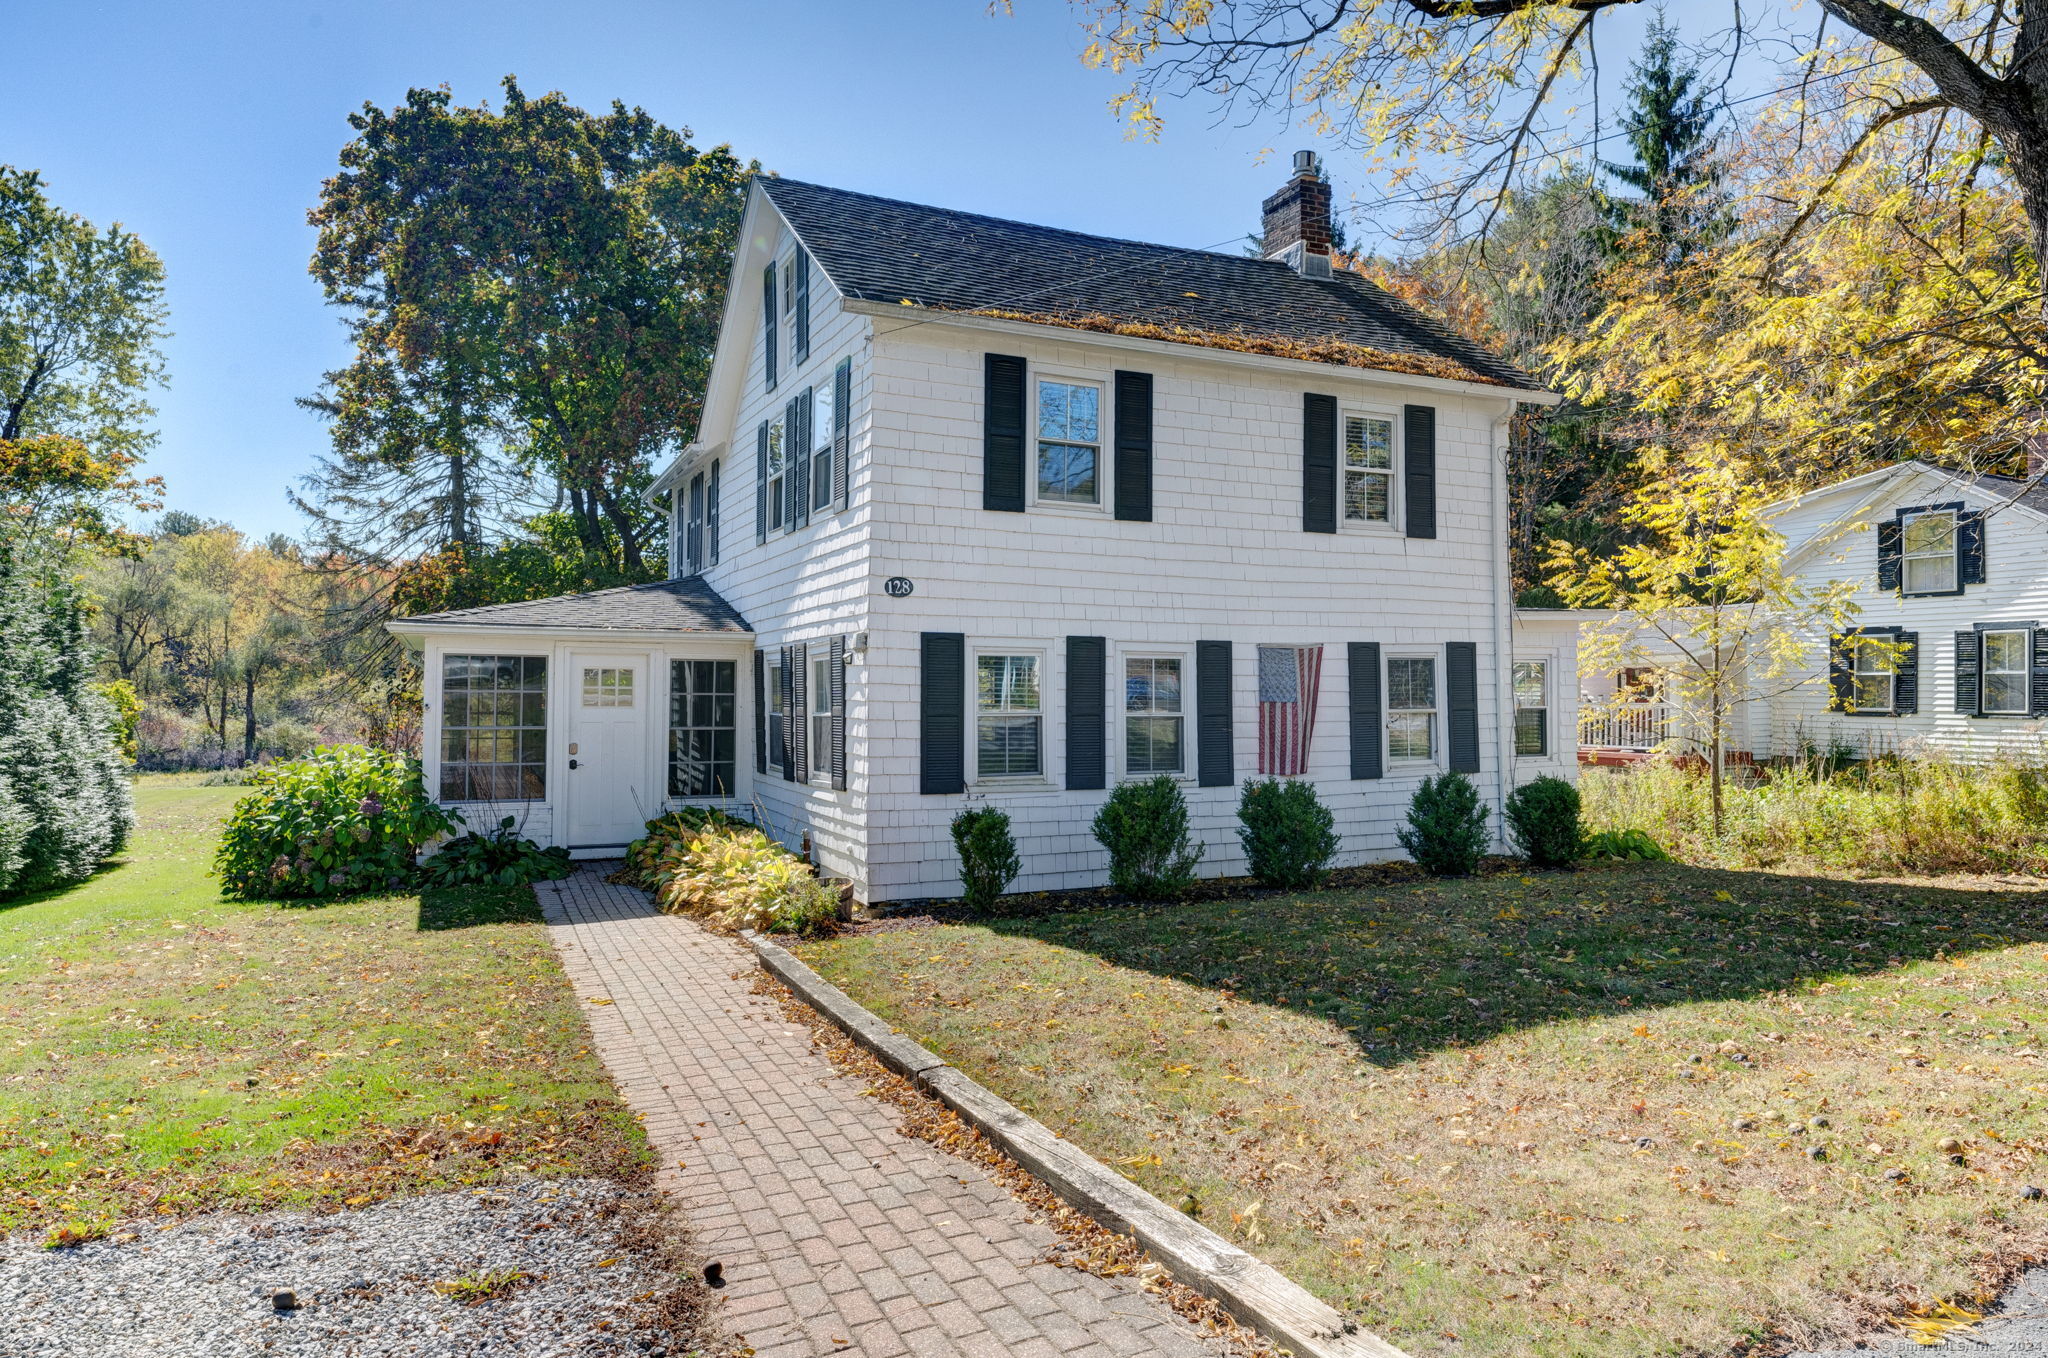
(898, 587)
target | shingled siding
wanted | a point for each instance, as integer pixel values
(1225, 557)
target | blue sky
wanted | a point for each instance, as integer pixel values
(208, 129)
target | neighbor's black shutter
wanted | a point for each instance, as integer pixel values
(760, 712)
(1133, 448)
(1888, 554)
(1002, 434)
(768, 326)
(1969, 660)
(842, 430)
(787, 754)
(1461, 703)
(2037, 676)
(1367, 741)
(792, 464)
(1212, 714)
(1906, 688)
(802, 322)
(1419, 481)
(800, 704)
(1087, 713)
(942, 713)
(712, 512)
(1840, 680)
(1970, 547)
(761, 484)
(806, 403)
(837, 668)
(1318, 463)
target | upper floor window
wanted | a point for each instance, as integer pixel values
(1532, 708)
(693, 535)
(821, 448)
(1152, 715)
(1411, 707)
(1007, 718)
(711, 516)
(2006, 687)
(778, 739)
(1368, 468)
(1927, 552)
(1069, 442)
(777, 469)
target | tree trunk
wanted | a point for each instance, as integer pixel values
(249, 715)
(458, 499)
(1715, 729)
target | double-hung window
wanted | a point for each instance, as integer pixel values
(1008, 722)
(1153, 720)
(821, 449)
(777, 469)
(494, 733)
(1411, 707)
(2006, 687)
(1368, 469)
(702, 728)
(1069, 442)
(778, 743)
(819, 697)
(1927, 552)
(1873, 674)
(1532, 708)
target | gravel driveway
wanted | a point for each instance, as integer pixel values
(2019, 1326)
(362, 1282)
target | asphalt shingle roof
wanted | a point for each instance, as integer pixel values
(665, 606)
(2016, 489)
(882, 250)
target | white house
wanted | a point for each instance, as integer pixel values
(1951, 573)
(987, 512)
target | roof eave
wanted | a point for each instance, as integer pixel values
(1236, 357)
(424, 627)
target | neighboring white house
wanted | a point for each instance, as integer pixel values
(987, 512)
(1952, 575)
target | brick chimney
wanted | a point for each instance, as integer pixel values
(1297, 219)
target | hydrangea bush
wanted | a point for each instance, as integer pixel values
(344, 819)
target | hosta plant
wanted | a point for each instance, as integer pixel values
(498, 857)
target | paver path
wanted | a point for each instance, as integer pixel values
(837, 1233)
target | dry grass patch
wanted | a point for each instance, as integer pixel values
(1650, 1109)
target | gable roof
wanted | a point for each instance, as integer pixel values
(882, 250)
(666, 606)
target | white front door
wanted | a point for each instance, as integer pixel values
(610, 795)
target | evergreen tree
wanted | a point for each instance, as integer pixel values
(1677, 169)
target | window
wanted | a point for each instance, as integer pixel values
(778, 743)
(494, 735)
(1873, 673)
(1927, 553)
(702, 730)
(2005, 671)
(821, 454)
(711, 517)
(607, 687)
(1532, 708)
(1069, 443)
(1368, 469)
(1006, 717)
(776, 469)
(693, 537)
(1411, 707)
(820, 696)
(1152, 715)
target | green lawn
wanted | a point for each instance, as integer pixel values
(163, 1051)
(1567, 1114)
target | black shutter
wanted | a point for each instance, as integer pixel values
(1461, 704)
(1970, 547)
(792, 462)
(1888, 554)
(1906, 688)
(1133, 447)
(693, 543)
(1087, 713)
(1969, 660)
(712, 512)
(786, 756)
(1367, 739)
(1002, 434)
(760, 712)
(842, 430)
(761, 484)
(837, 669)
(1841, 682)
(801, 323)
(800, 704)
(1418, 482)
(1212, 714)
(768, 327)
(1318, 463)
(942, 713)
(2037, 674)
(800, 438)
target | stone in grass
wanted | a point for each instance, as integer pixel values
(2032, 1193)
(1948, 1145)
(1895, 1175)
(1816, 1152)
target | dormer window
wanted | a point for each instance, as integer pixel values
(1927, 552)
(1069, 443)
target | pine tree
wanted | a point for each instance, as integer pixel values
(1670, 124)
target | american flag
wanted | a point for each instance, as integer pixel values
(1290, 677)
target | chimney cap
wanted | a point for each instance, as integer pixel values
(1306, 162)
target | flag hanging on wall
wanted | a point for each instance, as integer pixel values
(1290, 677)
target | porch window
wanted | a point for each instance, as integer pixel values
(703, 715)
(494, 735)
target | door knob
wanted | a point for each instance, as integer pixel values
(572, 763)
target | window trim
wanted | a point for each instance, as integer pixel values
(2025, 631)
(1954, 514)
(971, 760)
(1549, 750)
(1850, 643)
(1104, 503)
(1435, 710)
(818, 690)
(1119, 676)
(1395, 523)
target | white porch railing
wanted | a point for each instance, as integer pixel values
(1635, 727)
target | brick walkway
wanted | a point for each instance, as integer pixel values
(838, 1235)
